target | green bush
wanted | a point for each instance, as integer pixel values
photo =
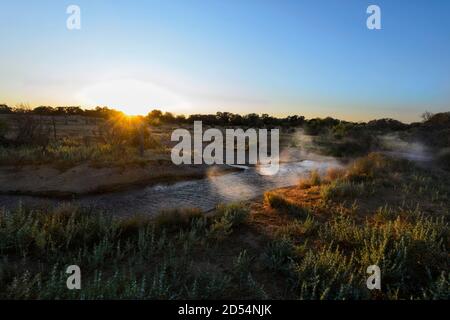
(327, 274)
(227, 217)
(278, 255)
(237, 213)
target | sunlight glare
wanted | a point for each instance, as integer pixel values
(133, 97)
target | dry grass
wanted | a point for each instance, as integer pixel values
(334, 174)
(314, 179)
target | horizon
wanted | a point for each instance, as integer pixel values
(187, 115)
(193, 57)
(27, 107)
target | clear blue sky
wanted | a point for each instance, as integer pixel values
(315, 58)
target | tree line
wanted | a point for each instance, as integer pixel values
(98, 112)
(158, 117)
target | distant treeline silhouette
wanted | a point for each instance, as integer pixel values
(157, 117)
(98, 112)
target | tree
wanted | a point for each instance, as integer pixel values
(168, 117)
(31, 129)
(154, 117)
(252, 119)
(44, 110)
(74, 110)
(5, 109)
(427, 116)
(181, 118)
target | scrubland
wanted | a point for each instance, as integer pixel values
(310, 241)
(313, 240)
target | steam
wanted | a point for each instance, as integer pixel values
(391, 144)
(415, 151)
(299, 146)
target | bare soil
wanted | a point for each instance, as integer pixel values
(45, 180)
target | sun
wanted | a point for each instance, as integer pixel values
(133, 97)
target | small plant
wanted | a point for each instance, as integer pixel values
(227, 217)
(278, 255)
(221, 228)
(312, 180)
(237, 213)
(298, 228)
(339, 189)
(177, 218)
(275, 200)
(327, 274)
(241, 264)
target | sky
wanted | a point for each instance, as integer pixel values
(312, 58)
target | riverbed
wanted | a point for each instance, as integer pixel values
(205, 194)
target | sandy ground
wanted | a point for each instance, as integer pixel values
(84, 179)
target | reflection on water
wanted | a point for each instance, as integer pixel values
(204, 194)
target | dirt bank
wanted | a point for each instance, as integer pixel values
(45, 180)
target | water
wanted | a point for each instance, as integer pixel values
(204, 194)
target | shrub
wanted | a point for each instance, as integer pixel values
(347, 148)
(130, 131)
(277, 201)
(177, 218)
(327, 274)
(227, 217)
(334, 174)
(444, 159)
(313, 179)
(3, 129)
(367, 167)
(296, 228)
(31, 130)
(221, 228)
(278, 255)
(237, 213)
(338, 189)
(376, 166)
(342, 130)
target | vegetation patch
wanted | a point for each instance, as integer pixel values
(277, 201)
(244, 250)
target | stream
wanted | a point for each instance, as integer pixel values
(204, 194)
